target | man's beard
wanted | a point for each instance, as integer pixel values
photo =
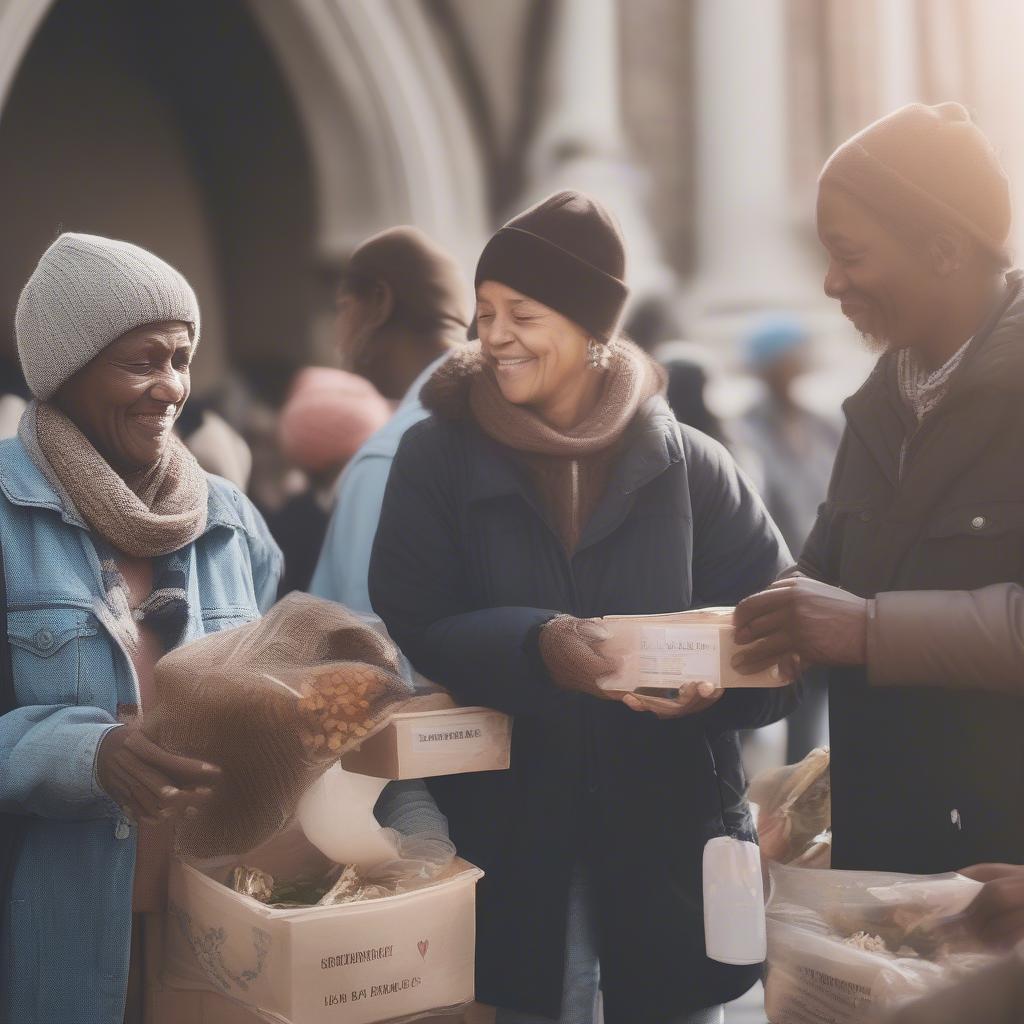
(874, 343)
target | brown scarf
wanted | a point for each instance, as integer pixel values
(150, 513)
(570, 469)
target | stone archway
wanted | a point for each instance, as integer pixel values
(380, 137)
(383, 116)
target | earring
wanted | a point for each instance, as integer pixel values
(599, 355)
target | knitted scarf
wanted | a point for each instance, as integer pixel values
(570, 469)
(153, 512)
(465, 384)
(923, 389)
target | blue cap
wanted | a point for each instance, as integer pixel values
(772, 338)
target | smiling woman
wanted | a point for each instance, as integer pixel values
(538, 355)
(126, 400)
(117, 547)
(551, 486)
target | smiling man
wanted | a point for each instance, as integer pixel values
(927, 497)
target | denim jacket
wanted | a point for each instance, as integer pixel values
(67, 930)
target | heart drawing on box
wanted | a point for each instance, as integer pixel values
(423, 945)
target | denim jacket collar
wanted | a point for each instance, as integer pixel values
(23, 484)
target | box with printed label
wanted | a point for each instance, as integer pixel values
(663, 652)
(433, 736)
(378, 960)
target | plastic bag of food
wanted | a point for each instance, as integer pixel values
(843, 946)
(274, 703)
(360, 857)
(794, 815)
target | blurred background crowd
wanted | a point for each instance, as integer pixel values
(256, 143)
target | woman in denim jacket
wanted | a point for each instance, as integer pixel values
(117, 547)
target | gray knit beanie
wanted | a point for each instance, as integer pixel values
(85, 293)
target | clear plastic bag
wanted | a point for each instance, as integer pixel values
(273, 703)
(335, 838)
(794, 816)
(844, 946)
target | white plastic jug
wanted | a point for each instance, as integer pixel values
(336, 814)
(734, 922)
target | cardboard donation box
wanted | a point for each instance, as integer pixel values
(378, 960)
(663, 652)
(433, 736)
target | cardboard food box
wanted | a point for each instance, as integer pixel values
(360, 962)
(434, 736)
(662, 652)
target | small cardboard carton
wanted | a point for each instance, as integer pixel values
(434, 736)
(660, 653)
(360, 962)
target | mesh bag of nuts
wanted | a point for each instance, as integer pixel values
(274, 703)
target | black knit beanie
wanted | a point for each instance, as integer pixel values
(567, 253)
(924, 165)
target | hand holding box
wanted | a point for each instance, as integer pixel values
(664, 652)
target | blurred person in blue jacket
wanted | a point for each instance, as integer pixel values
(795, 446)
(401, 309)
(792, 449)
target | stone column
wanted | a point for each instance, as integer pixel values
(898, 42)
(749, 255)
(580, 142)
(997, 97)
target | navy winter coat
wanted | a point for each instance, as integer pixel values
(466, 569)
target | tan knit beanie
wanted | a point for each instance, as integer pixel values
(928, 165)
(85, 293)
(427, 284)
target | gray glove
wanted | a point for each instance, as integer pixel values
(569, 648)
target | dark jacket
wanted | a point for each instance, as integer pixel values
(967, 639)
(928, 779)
(465, 571)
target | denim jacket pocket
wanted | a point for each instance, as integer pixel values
(216, 619)
(46, 654)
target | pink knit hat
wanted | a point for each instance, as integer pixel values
(327, 417)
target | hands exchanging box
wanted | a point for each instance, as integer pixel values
(800, 622)
(571, 650)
